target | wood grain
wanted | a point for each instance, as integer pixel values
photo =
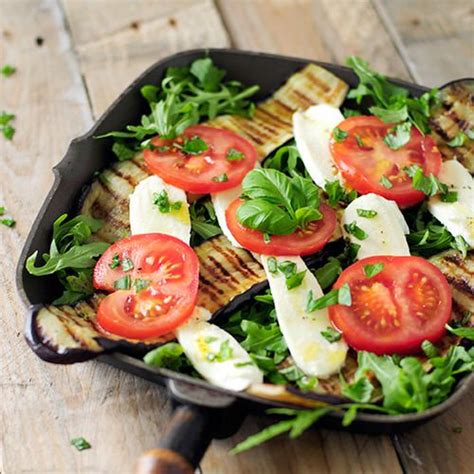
(436, 37)
(111, 58)
(91, 50)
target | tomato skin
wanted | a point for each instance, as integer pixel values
(408, 302)
(199, 174)
(299, 243)
(363, 168)
(170, 269)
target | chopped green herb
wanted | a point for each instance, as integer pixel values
(293, 278)
(458, 140)
(328, 273)
(140, 284)
(123, 283)
(5, 126)
(243, 364)
(204, 223)
(225, 353)
(369, 214)
(80, 443)
(267, 238)
(192, 146)
(398, 136)
(169, 356)
(360, 142)
(350, 112)
(7, 70)
(461, 245)
(272, 264)
(222, 178)
(373, 269)
(234, 155)
(429, 185)
(127, 265)
(115, 262)
(9, 222)
(339, 135)
(353, 229)
(450, 196)
(385, 182)
(161, 200)
(390, 115)
(209, 339)
(331, 335)
(335, 296)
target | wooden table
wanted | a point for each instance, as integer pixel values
(73, 58)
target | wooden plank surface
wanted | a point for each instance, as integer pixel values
(91, 51)
(435, 37)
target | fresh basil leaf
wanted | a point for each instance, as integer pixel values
(294, 280)
(123, 283)
(265, 217)
(450, 196)
(335, 296)
(8, 222)
(7, 70)
(193, 146)
(140, 284)
(80, 443)
(305, 215)
(272, 264)
(429, 185)
(6, 128)
(373, 269)
(344, 295)
(336, 193)
(461, 245)
(127, 265)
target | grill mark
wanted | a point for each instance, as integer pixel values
(317, 82)
(141, 165)
(209, 287)
(216, 275)
(460, 284)
(241, 265)
(127, 177)
(461, 123)
(63, 319)
(120, 200)
(439, 130)
(305, 101)
(273, 130)
(272, 117)
(335, 93)
(250, 131)
(99, 212)
(223, 270)
(285, 107)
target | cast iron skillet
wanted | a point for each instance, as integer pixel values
(202, 412)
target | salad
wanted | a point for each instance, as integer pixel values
(362, 228)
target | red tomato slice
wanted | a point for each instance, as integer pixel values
(395, 310)
(160, 275)
(208, 172)
(363, 164)
(301, 242)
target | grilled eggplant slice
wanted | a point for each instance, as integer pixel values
(454, 115)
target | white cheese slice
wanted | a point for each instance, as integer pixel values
(205, 343)
(458, 217)
(221, 202)
(385, 232)
(312, 353)
(145, 216)
(312, 130)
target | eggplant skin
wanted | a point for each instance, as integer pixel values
(455, 115)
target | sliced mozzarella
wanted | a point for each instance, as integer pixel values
(312, 353)
(385, 232)
(201, 341)
(312, 130)
(458, 217)
(145, 217)
(221, 202)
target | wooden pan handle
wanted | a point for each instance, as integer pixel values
(182, 445)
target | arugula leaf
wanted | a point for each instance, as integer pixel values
(465, 332)
(71, 256)
(185, 97)
(390, 115)
(122, 151)
(429, 349)
(169, 356)
(373, 269)
(460, 244)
